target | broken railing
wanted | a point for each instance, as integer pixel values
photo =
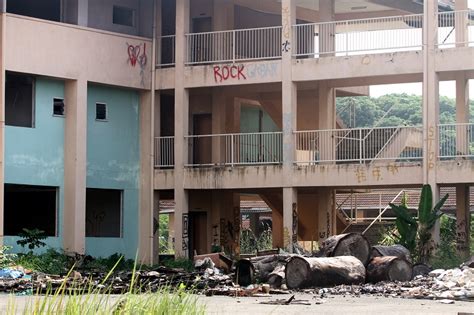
(234, 45)
(358, 145)
(352, 37)
(456, 141)
(235, 149)
(449, 34)
(164, 152)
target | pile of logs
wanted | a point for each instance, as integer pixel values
(343, 259)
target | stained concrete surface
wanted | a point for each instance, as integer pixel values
(330, 305)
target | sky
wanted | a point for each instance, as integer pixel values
(446, 88)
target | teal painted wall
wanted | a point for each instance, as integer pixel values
(249, 120)
(113, 162)
(35, 156)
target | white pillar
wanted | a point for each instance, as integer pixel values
(75, 162)
(289, 107)
(83, 12)
(430, 101)
(181, 130)
(327, 32)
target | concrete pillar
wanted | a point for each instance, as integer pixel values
(462, 114)
(158, 29)
(463, 220)
(327, 32)
(461, 23)
(75, 162)
(430, 100)
(181, 130)
(327, 121)
(2, 115)
(83, 12)
(277, 230)
(3, 6)
(326, 213)
(145, 243)
(289, 107)
(75, 12)
(290, 218)
(218, 124)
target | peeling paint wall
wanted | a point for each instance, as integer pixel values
(35, 156)
(113, 159)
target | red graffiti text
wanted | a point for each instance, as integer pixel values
(223, 73)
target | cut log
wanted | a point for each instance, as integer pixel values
(421, 270)
(389, 268)
(302, 272)
(394, 250)
(258, 268)
(350, 244)
(277, 276)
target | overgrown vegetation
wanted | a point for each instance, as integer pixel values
(89, 299)
(32, 239)
(250, 243)
(414, 232)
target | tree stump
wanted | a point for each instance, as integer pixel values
(302, 272)
(389, 268)
(350, 244)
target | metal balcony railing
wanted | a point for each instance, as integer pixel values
(447, 24)
(352, 37)
(456, 141)
(164, 152)
(236, 149)
(359, 145)
(234, 45)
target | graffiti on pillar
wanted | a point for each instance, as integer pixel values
(285, 12)
(294, 235)
(137, 55)
(185, 234)
(322, 235)
(392, 168)
(286, 46)
(431, 151)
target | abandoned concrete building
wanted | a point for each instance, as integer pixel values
(112, 108)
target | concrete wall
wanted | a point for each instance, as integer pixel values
(101, 16)
(67, 51)
(113, 162)
(35, 156)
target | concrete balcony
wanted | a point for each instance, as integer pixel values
(68, 51)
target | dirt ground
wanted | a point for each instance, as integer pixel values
(330, 305)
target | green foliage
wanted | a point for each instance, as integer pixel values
(415, 232)
(50, 262)
(105, 264)
(400, 110)
(182, 263)
(6, 258)
(164, 234)
(32, 238)
(248, 242)
(446, 256)
(265, 240)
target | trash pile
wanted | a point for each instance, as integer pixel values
(345, 265)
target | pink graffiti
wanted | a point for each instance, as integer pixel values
(134, 55)
(223, 73)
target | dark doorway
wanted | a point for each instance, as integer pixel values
(197, 233)
(103, 212)
(41, 9)
(30, 207)
(202, 146)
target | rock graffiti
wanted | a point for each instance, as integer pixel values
(223, 73)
